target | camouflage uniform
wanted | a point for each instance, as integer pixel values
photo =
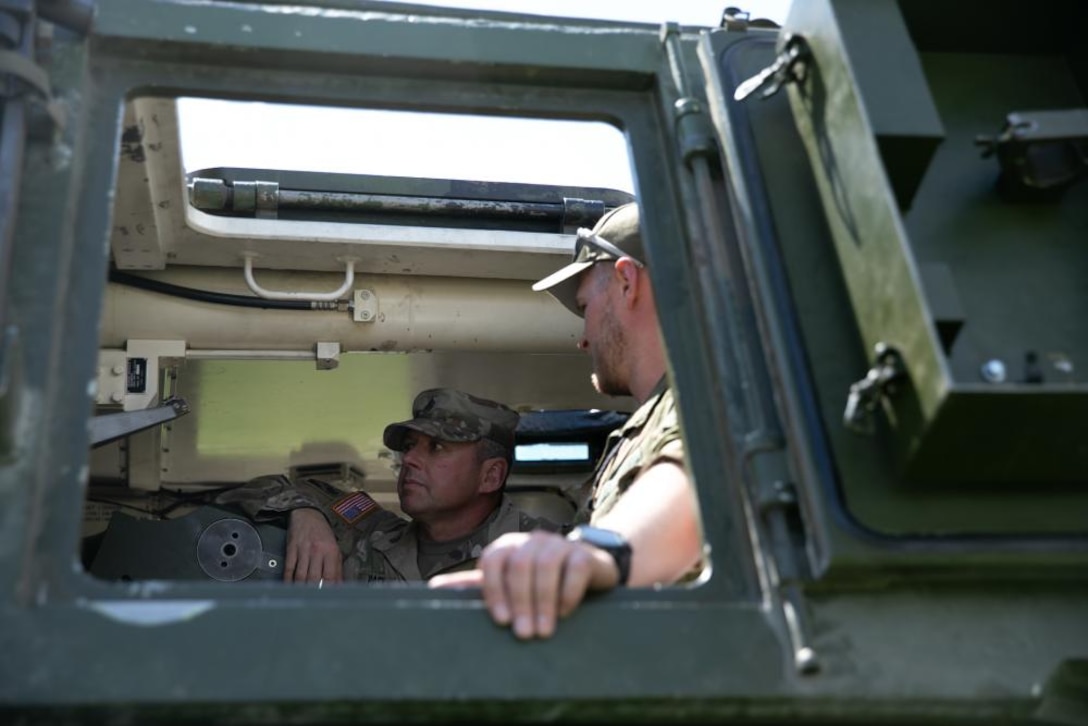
(651, 435)
(381, 545)
(376, 543)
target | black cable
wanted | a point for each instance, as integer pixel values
(220, 298)
(102, 500)
(180, 499)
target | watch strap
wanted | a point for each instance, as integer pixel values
(614, 543)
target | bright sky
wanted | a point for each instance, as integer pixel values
(454, 147)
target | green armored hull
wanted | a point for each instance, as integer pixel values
(868, 235)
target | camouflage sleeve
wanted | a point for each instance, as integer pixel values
(671, 450)
(269, 497)
(527, 523)
(667, 443)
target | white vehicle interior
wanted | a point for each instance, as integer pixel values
(270, 321)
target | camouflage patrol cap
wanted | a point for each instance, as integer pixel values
(451, 415)
(615, 235)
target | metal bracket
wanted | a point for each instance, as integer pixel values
(735, 19)
(867, 393)
(113, 426)
(694, 133)
(365, 309)
(34, 78)
(327, 356)
(789, 66)
(1041, 153)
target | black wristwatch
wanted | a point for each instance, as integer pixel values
(611, 542)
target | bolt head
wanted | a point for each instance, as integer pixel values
(993, 371)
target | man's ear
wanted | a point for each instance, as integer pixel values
(630, 279)
(492, 475)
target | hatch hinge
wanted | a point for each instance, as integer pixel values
(694, 133)
(789, 66)
(865, 394)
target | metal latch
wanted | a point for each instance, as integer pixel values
(788, 66)
(1042, 153)
(867, 393)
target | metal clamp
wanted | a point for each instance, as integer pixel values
(694, 133)
(1042, 153)
(34, 78)
(867, 393)
(789, 66)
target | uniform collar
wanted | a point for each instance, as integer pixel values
(642, 414)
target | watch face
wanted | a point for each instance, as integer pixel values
(603, 538)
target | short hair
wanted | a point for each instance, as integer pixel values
(491, 449)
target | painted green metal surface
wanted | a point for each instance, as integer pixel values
(962, 256)
(928, 605)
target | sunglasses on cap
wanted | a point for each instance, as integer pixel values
(588, 246)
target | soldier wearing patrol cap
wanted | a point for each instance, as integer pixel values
(642, 526)
(454, 456)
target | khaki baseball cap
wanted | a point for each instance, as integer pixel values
(451, 415)
(615, 235)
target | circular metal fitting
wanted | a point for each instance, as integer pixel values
(229, 550)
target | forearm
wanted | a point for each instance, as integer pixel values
(659, 517)
(269, 497)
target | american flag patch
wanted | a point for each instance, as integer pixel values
(353, 507)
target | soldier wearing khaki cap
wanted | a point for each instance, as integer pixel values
(643, 526)
(454, 456)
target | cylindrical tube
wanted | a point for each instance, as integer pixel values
(415, 313)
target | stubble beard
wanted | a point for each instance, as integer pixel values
(609, 355)
(404, 497)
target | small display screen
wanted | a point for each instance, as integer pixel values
(552, 452)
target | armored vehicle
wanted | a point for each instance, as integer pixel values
(867, 229)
